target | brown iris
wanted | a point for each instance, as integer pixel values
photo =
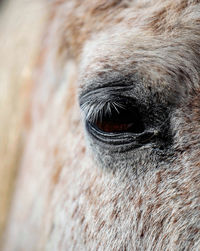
(123, 120)
(108, 126)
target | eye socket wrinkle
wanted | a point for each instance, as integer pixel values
(110, 84)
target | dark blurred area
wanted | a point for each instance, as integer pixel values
(2, 3)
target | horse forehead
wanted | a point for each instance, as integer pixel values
(80, 21)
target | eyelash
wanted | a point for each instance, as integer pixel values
(95, 112)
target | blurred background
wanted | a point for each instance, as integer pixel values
(21, 27)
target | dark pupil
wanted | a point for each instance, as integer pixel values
(123, 120)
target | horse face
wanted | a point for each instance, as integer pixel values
(115, 130)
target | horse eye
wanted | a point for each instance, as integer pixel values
(121, 120)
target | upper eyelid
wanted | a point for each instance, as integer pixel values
(112, 82)
(104, 90)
